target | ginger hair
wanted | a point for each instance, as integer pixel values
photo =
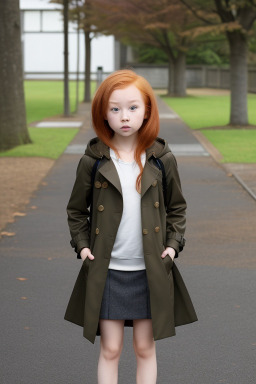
(150, 126)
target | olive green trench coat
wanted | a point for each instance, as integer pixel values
(161, 227)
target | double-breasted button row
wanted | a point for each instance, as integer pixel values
(98, 184)
(156, 204)
(154, 184)
(97, 231)
(101, 208)
(145, 231)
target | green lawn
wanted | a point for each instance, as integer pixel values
(45, 99)
(235, 145)
(207, 111)
(46, 142)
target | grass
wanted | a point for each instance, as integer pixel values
(46, 142)
(207, 111)
(198, 112)
(236, 146)
(45, 99)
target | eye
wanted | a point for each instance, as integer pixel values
(133, 107)
(115, 109)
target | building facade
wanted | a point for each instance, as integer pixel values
(43, 43)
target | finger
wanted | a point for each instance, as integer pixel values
(164, 254)
(91, 257)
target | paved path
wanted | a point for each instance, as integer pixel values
(38, 270)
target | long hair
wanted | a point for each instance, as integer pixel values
(150, 126)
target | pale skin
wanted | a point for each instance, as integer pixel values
(125, 114)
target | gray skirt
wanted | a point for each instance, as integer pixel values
(126, 296)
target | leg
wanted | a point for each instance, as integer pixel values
(144, 347)
(111, 344)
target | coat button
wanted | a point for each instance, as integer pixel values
(156, 205)
(97, 184)
(157, 229)
(104, 184)
(97, 231)
(100, 208)
(145, 231)
(154, 183)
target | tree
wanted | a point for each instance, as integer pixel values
(66, 66)
(154, 23)
(235, 18)
(80, 11)
(13, 125)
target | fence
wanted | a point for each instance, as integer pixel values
(197, 76)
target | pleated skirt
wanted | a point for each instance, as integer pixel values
(126, 296)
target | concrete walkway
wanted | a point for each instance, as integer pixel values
(38, 270)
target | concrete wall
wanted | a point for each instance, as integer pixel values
(198, 76)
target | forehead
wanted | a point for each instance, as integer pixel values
(130, 93)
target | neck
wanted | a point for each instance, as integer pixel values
(125, 144)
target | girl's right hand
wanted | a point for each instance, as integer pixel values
(85, 252)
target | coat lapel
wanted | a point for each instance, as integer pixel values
(150, 174)
(108, 170)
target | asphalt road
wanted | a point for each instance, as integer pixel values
(38, 271)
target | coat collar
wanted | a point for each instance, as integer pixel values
(108, 169)
(97, 149)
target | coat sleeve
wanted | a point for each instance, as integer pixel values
(176, 206)
(78, 206)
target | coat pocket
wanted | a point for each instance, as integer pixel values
(168, 263)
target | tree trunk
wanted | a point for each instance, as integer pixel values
(66, 69)
(238, 78)
(180, 75)
(13, 125)
(170, 88)
(77, 57)
(87, 88)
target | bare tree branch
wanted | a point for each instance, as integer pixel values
(195, 12)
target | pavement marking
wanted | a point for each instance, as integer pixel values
(177, 149)
(75, 149)
(188, 149)
(168, 116)
(59, 124)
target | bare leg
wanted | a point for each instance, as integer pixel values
(144, 347)
(111, 344)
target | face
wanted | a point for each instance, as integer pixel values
(126, 111)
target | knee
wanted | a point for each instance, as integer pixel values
(111, 351)
(144, 348)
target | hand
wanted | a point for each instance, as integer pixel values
(85, 252)
(168, 251)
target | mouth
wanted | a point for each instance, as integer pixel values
(125, 127)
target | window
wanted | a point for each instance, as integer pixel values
(32, 21)
(52, 21)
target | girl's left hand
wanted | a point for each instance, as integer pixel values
(168, 251)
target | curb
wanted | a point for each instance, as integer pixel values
(217, 157)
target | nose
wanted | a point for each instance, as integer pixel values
(125, 116)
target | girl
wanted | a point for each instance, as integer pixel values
(126, 216)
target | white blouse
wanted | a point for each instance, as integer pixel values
(127, 253)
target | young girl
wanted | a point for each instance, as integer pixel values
(126, 216)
